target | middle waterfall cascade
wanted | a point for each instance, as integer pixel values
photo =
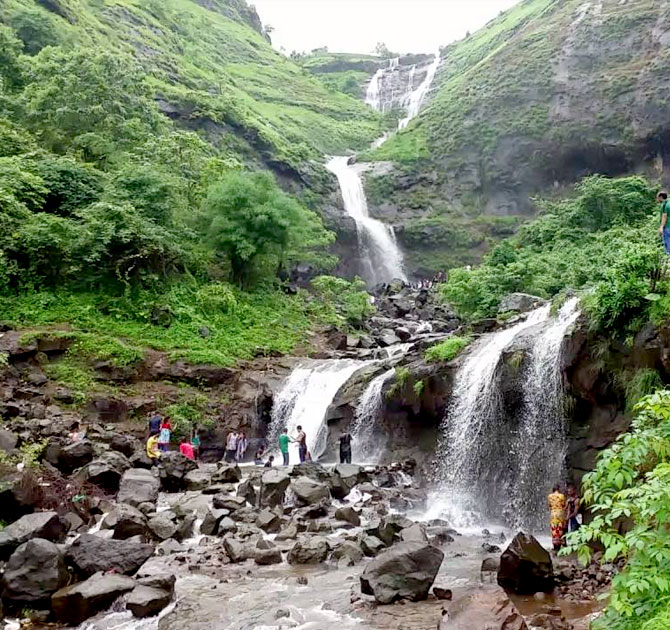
(488, 467)
(381, 257)
(418, 96)
(367, 444)
(305, 397)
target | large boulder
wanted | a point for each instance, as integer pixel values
(211, 522)
(163, 526)
(173, 469)
(488, 608)
(227, 473)
(525, 567)
(75, 456)
(274, 483)
(406, 571)
(312, 550)
(74, 604)
(237, 550)
(107, 470)
(349, 515)
(147, 601)
(247, 490)
(138, 486)
(230, 502)
(344, 478)
(89, 554)
(47, 525)
(520, 303)
(35, 571)
(197, 479)
(268, 521)
(308, 491)
(126, 521)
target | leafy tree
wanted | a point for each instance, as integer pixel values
(11, 72)
(630, 483)
(251, 221)
(382, 50)
(70, 184)
(36, 29)
(349, 300)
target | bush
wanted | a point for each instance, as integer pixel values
(349, 301)
(631, 482)
(448, 349)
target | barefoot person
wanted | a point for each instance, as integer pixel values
(301, 439)
(557, 503)
(284, 440)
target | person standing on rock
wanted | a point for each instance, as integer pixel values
(165, 435)
(664, 228)
(572, 508)
(557, 503)
(241, 446)
(301, 439)
(231, 447)
(284, 440)
(195, 443)
(345, 448)
(155, 424)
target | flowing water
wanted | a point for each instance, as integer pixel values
(493, 466)
(305, 398)
(380, 254)
(368, 442)
(418, 96)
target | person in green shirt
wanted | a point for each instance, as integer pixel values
(284, 439)
(195, 443)
(664, 228)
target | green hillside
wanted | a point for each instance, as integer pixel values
(545, 94)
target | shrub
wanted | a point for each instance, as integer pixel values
(448, 349)
(349, 300)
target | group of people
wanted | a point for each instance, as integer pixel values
(564, 513)
(236, 447)
(160, 436)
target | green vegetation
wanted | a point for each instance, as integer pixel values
(603, 239)
(631, 482)
(349, 303)
(344, 72)
(448, 349)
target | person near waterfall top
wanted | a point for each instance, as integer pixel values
(301, 439)
(664, 228)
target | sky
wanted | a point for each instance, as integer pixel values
(358, 25)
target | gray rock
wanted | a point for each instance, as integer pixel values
(163, 581)
(74, 604)
(247, 491)
(266, 557)
(227, 525)
(228, 502)
(47, 525)
(227, 473)
(237, 550)
(415, 533)
(349, 515)
(490, 565)
(444, 594)
(210, 524)
(344, 478)
(34, 572)
(89, 554)
(162, 526)
(147, 601)
(406, 571)
(173, 468)
(372, 546)
(308, 491)
(126, 521)
(74, 522)
(487, 608)
(123, 444)
(525, 567)
(290, 532)
(75, 456)
(349, 552)
(196, 479)
(268, 521)
(107, 470)
(8, 441)
(138, 486)
(274, 483)
(520, 302)
(312, 550)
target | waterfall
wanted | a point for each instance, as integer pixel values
(419, 95)
(540, 446)
(367, 443)
(381, 257)
(498, 464)
(305, 398)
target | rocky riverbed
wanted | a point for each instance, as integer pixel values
(189, 547)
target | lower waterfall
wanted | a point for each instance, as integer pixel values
(368, 444)
(495, 468)
(305, 398)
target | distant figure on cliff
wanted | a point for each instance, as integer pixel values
(301, 439)
(283, 440)
(557, 503)
(664, 228)
(345, 448)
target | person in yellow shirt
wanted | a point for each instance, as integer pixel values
(153, 453)
(557, 504)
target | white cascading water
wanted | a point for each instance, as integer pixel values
(492, 467)
(304, 400)
(368, 444)
(418, 96)
(540, 445)
(381, 257)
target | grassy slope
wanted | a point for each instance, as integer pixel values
(221, 67)
(541, 94)
(345, 72)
